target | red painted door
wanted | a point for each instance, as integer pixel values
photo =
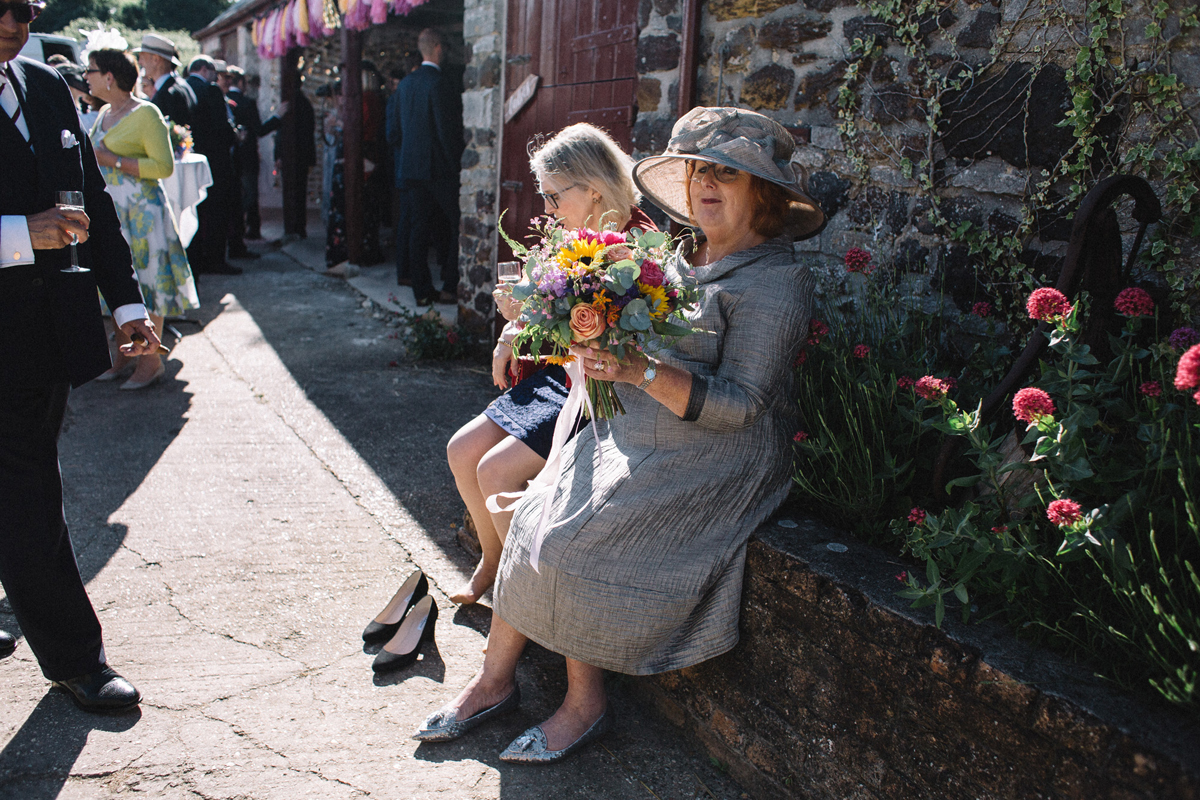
(584, 51)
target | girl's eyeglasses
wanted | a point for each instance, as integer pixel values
(23, 13)
(697, 170)
(552, 197)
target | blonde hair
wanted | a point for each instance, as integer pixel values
(583, 153)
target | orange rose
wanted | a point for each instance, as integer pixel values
(586, 322)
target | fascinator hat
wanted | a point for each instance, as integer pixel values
(737, 138)
(102, 39)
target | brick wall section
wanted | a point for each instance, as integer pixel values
(837, 690)
(483, 33)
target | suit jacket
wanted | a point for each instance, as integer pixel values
(245, 115)
(50, 324)
(296, 141)
(430, 132)
(175, 99)
(213, 134)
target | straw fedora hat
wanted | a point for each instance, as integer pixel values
(159, 46)
(734, 137)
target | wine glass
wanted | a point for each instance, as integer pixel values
(72, 201)
(508, 271)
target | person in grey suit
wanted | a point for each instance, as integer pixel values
(425, 126)
(52, 338)
(648, 577)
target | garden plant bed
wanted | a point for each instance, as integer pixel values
(839, 690)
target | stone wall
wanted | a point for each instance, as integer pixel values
(837, 690)
(483, 34)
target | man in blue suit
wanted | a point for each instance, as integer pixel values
(429, 139)
(52, 338)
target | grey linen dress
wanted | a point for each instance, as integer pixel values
(649, 577)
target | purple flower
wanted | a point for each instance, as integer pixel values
(1183, 338)
(554, 282)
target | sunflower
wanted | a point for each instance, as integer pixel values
(583, 251)
(656, 298)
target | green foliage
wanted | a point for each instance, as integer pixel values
(187, 46)
(427, 337)
(65, 16)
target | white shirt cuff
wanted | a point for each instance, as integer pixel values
(129, 312)
(15, 245)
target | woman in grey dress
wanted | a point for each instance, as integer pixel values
(648, 577)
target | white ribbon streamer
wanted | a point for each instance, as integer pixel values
(547, 480)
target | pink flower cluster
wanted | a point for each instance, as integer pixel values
(861, 351)
(1151, 389)
(800, 359)
(917, 516)
(801, 436)
(858, 260)
(1047, 305)
(1134, 302)
(1031, 404)
(1187, 373)
(931, 388)
(1064, 512)
(904, 382)
(816, 329)
(982, 310)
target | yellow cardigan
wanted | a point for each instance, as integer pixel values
(143, 135)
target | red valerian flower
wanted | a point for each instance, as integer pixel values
(1187, 373)
(951, 383)
(982, 309)
(1000, 529)
(1151, 389)
(861, 351)
(816, 329)
(903, 576)
(1046, 305)
(858, 260)
(452, 337)
(1030, 404)
(904, 382)
(916, 516)
(1134, 302)
(931, 388)
(801, 436)
(800, 359)
(1064, 512)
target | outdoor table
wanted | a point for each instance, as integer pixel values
(185, 189)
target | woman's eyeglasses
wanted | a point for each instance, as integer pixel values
(23, 13)
(90, 70)
(552, 197)
(698, 170)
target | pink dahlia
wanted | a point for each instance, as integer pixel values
(1030, 404)
(612, 237)
(931, 388)
(858, 260)
(1151, 389)
(861, 351)
(1047, 304)
(905, 382)
(917, 516)
(982, 309)
(801, 436)
(816, 329)
(1134, 302)
(1187, 374)
(1064, 512)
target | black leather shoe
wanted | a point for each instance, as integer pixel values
(415, 630)
(222, 269)
(384, 626)
(102, 690)
(8, 643)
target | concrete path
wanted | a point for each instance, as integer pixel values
(238, 524)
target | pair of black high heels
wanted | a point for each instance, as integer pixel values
(405, 623)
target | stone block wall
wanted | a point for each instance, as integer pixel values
(837, 690)
(483, 101)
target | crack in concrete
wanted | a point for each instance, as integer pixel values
(146, 563)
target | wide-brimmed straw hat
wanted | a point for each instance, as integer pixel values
(159, 46)
(735, 137)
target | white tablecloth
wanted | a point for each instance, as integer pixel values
(187, 187)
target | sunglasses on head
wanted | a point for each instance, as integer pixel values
(23, 13)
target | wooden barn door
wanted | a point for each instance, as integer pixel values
(584, 52)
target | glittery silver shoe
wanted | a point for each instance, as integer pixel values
(442, 726)
(530, 747)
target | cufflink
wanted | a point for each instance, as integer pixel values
(16, 256)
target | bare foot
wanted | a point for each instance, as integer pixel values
(470, 592)
(478, 696)
(569, 723)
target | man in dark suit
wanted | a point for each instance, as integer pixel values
(159, 59)
(295, 155)
(213, 136)
(245, 153)
(430, 142)
(51, 338)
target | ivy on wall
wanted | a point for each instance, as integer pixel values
(1067, 94)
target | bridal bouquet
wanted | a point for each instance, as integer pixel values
(603, 289)
(181, 139)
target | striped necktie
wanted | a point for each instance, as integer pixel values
(7, 90)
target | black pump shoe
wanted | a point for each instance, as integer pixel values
(384, 626)
(416, 629)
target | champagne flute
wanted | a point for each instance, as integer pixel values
(72, 201)
(508, 271)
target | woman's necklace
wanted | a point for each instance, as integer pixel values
(116, 114)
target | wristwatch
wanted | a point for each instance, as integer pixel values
(648, 376)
